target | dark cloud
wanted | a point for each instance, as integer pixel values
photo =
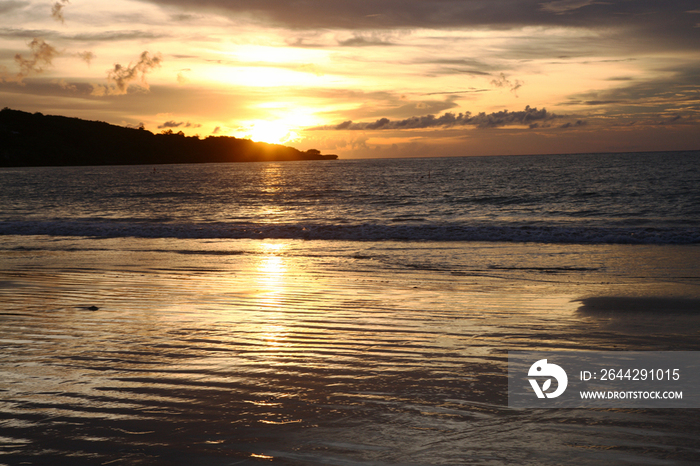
(446, 70)
(123, 76)
(303, 42)
(527, 117)
(574, 124)
(86, 56)
(680, 87)
(314, 39)
(363, 41)
(468, 91)
(176, 124)
(43, 89)
(467, 62)
(671, 120)
(41, 57)
(566, 6)
(458, 66)
(378, 104)
(184, 17)
(502, 81)
(57, 10)
(114, 36)
(106, 36)
(669, 100)
(171, 124)
(12, 33)
(601, 102)
(8, 6)
(652, 17)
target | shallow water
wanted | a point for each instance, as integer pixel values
(342, 313)
(326, 352)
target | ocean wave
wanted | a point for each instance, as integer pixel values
(360, 232)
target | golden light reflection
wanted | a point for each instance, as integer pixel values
(275, 336)
(272, 268)
(272, 278)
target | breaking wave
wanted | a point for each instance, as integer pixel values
(359, 232)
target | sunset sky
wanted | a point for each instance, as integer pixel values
(379, 78)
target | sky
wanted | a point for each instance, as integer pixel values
(367, 78)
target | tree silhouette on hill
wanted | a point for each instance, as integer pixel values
(37, 140)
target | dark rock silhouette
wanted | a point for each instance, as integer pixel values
(36, 140)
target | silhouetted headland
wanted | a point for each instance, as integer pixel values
(40, 140)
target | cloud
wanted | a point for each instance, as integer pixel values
(86, 56)
(467, 91)
(359, 40)
(671, 120)
(303, 42)
(447, 70)
(566, 6)
(310, 68)
(458, 66)
(679, 87)
(42, 55)
(577, 123)
(175, 124)
(650, 25)
(115, 36)
(13, 33)
(63, 84)
(502, 81)
(406, 14)
(8, 6)
(527, 117)
(123, 76)
(99, 90)
(57, 10)
(181, 78)
(103, 36)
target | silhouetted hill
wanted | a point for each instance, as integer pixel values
(37, 140)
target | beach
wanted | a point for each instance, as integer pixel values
(354, 312)
(249, 351)
(332, 233)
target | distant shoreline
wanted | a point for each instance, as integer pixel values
(37, 140)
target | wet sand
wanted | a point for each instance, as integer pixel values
(303, 352)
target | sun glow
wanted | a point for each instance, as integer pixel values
(272, 132)
(284, 125)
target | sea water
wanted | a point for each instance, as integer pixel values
(338, 312)
(600, 198)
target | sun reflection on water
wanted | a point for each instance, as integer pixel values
(272, 268)
(272, 278)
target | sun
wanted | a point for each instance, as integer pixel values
(272, 132)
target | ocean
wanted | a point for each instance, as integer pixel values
(603, 198)
(349, 312)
